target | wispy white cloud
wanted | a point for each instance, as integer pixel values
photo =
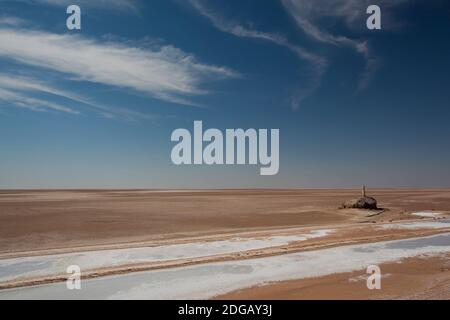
(318, 63)
(165, 73)
(19, 91)
(351, 12)
(9, 21)
(308, 14)
(24, 101)
(240, 31)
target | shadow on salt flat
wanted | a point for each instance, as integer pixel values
(23, 267)
(436, 241)
(411, 244)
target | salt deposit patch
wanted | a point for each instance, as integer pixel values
(208, 280)
(19, 268)
(439, 224)
(427, 214)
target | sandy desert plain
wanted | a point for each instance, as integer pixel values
(223, 244)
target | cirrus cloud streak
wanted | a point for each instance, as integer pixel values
(164, 73)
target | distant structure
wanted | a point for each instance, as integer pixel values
(364, 202)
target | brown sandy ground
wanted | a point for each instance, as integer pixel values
(418, 278)
(39, 220)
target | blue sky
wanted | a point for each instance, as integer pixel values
(95, 108)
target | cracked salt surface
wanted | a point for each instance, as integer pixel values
(18, 268)
(208, 280)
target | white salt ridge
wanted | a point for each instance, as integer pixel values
(208, 280)
(19, 268)
(428, 214)
(438, 224)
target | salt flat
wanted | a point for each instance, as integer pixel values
(33, 220)
(434, 224)
(16, 268)
(203, 243)
(208, 280)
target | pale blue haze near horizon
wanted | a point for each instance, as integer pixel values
(95, 108)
